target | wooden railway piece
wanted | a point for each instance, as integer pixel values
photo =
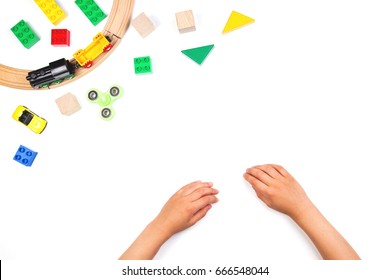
(13, 77)
(115, 28)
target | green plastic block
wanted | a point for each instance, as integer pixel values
(142, 65)
(25, 34)
(91, 10)
(198, 54)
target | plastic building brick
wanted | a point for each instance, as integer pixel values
(142, 65)
(91, 10)
(68, 104)
(25, 116)
(185, 21)
(99, 45)
(51, 9)
(235, 21)
(25, 156)
(60, 37)
(105, 100)
(198, 54)
(143, 25)
(25, 34)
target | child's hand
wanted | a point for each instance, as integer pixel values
(278, 189)
(186, 207)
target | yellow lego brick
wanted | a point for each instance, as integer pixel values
(51, 9)
(236, 20)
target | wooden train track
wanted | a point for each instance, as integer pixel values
(116, 26)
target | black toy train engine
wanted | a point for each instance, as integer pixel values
(55, 73)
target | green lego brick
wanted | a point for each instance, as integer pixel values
(198, 54)
(25, 34)
(142, 65)
(91, 10)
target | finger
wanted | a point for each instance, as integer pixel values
(200, 214)
(200, 192)
(270, 170)
(256, 184)
(202, 202)
(187, 189)
(260, 175)
(281, 170)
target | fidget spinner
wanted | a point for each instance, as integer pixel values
(105, 100)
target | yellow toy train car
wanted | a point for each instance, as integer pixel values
(100, 44)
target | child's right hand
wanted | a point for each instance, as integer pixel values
(278, 189)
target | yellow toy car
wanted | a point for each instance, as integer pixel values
(32, 121)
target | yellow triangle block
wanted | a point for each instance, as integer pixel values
(236, 20)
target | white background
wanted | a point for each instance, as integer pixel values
(305, 86)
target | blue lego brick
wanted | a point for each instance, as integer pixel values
(25, 156)
(25, 34)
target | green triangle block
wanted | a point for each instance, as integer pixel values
(198, 54)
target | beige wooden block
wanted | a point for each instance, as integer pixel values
(68, 104)
(185, 21)
(143, 25)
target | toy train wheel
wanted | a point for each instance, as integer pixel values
(106, 113)
(56, 82)
(69, 77)
(88, 64)
(107, 48)
(93, 95)
(114, 91)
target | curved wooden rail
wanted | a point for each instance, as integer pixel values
(116, 26)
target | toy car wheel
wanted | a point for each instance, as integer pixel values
(93, 95)
(114, 91)
(106, 113)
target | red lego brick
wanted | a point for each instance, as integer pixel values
(60, 37)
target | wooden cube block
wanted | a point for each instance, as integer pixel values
(68, 104)
(185, 21)
(143, 25)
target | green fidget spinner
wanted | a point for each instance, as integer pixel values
(105, 100)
